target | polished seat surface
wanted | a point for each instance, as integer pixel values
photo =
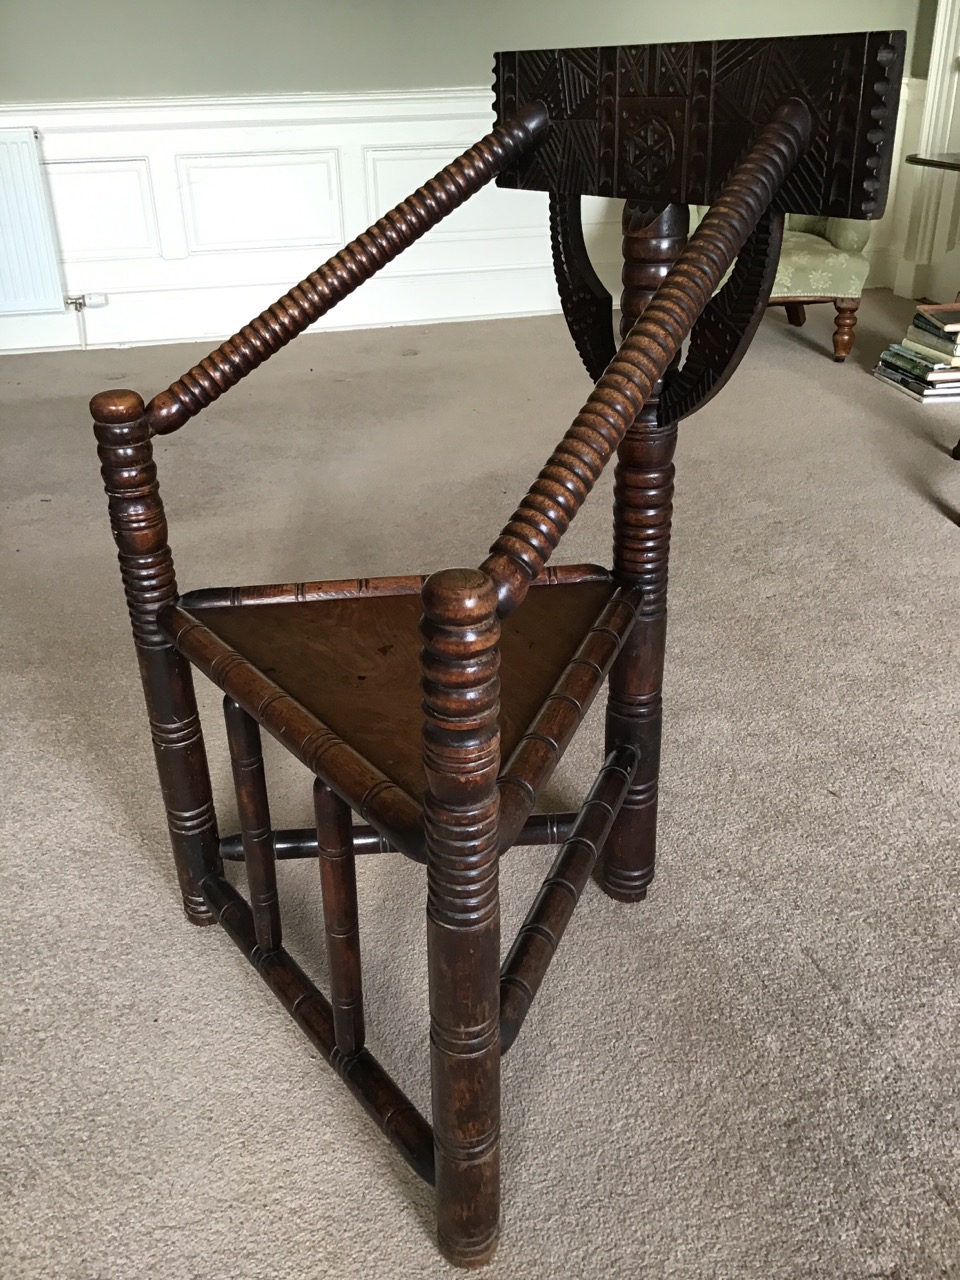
(355, 663)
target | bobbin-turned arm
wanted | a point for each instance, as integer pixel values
(532, 533)
(347, 270)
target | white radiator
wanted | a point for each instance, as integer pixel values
(29, 267)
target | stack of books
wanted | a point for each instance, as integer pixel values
(926, 364)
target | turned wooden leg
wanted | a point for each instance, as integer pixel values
(246, 756)
(796, 314)
(845, 325)
(461, 754)
(643, 495)
(146, 567)
(338, 885)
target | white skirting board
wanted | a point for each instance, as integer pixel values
(181, 219)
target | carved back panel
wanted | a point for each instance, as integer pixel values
(667, 123)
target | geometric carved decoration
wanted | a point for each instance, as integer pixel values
(650, 140)
(720, 338)
(587, 305)
(667, 123)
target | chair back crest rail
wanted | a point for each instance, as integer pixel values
(751, 128)
(666, 124)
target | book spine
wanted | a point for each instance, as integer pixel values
(939, 376)
(946, 316)
(898, 386)
(941, 343)
(909, 364)
(902, 379)
(923, 348)
(919, 390)
(934, 362)
(920, 321)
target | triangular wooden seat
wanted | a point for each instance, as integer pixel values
(353, 661)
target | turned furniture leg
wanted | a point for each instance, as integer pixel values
(643, 494)
(146, 567)
(338, 886)
(845, 325)
(796, 314)
(246, 756)
(461, 755)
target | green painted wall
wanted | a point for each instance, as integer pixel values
(61, 50)
(923, 38)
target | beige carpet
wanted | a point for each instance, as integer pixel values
(753, 1075)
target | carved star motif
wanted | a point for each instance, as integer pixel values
(649, 150)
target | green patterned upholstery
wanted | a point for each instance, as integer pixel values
(822, 264)
(822, 260)
(821, 257)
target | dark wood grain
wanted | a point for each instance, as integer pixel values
(722, 336)
(642, 511)
(532, 761)
(536, 943)
(394, 1113)
(302, 592)
(513, 653)
(338, 883)
(461, 759)
(246, 757)
(666, 124)
(146, 567)
(796, 315)
(586, 302)
(353, 662)
(559, 575)
(846, 322)
(301, 842)
(387, 807)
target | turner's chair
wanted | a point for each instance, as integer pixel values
(436, 709)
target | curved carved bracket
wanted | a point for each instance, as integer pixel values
(587, 306)
(720, 338)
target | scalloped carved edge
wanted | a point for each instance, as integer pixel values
(587, 305)
(720, 338)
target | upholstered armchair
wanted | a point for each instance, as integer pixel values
(822, 260)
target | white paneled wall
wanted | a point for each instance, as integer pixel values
(225, 211)
(182, 219)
